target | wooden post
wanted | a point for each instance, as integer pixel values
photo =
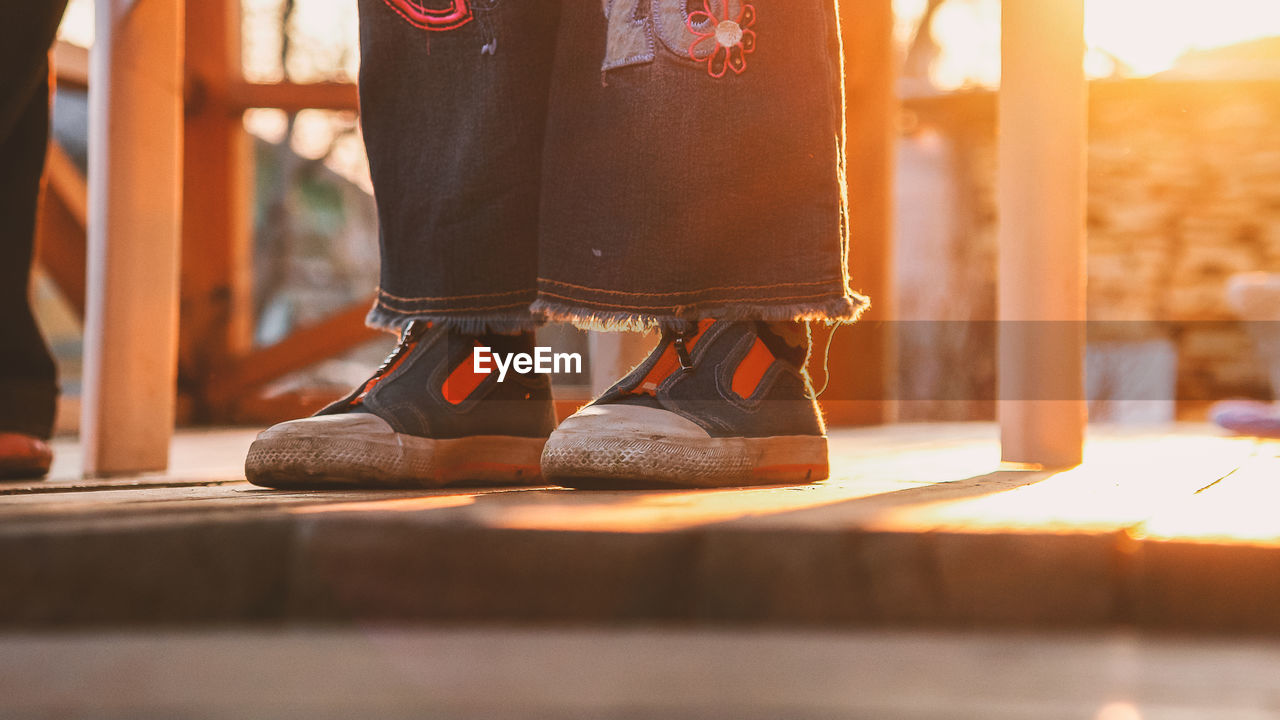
(862, 361)
(135, 164)
(1043, 136)
(216, 315)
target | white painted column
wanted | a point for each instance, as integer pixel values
(1043, 146)
(135, 182)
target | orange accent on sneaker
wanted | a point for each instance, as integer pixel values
(463, 381)
(749, 373)
(669, 363)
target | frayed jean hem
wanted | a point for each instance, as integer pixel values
(838, 309)
(506, 322)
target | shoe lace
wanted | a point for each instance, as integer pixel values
(681, 345)
(674, 352)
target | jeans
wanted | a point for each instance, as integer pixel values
(617, 165)
(28, 377)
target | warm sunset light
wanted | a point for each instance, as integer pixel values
(1149, 35)
(1129, 38)
(640, 358)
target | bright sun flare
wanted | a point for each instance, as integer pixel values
(1143, 36)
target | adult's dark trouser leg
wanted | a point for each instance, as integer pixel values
(453, 98)
(28, 378)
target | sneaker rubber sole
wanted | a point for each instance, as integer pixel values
(362, 451)
(627, 447)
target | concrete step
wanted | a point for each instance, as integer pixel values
(919, 526)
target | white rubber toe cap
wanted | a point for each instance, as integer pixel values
(344, 427)
(618, 446)
(631, 421)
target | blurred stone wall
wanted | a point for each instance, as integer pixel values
(1184, 192)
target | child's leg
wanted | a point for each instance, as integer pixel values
(453, 107)
(694, 164)
(694, 171)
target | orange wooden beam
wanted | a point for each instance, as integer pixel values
(293, 97)
(60, 244)
(60, 250)
(257, 409)
(306, 346)
(71, 64)
(65, 180)
(216, 274)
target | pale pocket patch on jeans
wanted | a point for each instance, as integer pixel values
(630, 40)
(680, 25)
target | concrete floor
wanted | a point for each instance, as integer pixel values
(1172, 528)
(504, 673)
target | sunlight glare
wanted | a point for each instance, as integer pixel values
(1150, 35)
(1119, 711)
(1127, 38)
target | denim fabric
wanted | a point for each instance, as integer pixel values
(615, 162)
(28, 378)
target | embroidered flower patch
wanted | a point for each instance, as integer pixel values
(732, 38)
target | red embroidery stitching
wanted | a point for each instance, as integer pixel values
(414, 13)
(733, 39)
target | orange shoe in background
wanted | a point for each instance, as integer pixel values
(23, 457)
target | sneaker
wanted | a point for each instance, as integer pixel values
(23, 457)
(425, 419)
(720, 404)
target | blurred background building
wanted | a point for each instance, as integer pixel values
(1184, 193)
